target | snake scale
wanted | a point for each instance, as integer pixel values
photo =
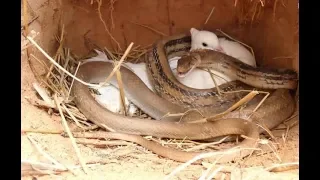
(174, 97)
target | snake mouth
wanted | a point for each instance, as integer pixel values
(182, 75)
(186, 73)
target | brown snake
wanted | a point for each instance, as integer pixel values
(274, 110)
(260, 77)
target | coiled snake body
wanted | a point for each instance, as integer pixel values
(174, 97)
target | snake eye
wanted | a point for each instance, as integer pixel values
(204, 44)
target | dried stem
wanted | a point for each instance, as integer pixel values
(150, 28)
(214, 81)
(66, 127)
(56, 64)
(75, 74)
(47, 156)
(118, 65)
(206, 155)
(105, 25)
(209, 15)
(245, 99)
(237, 41)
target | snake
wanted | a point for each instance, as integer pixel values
(172, 97)
(260, 77)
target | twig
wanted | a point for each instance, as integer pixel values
(105, 25)
(262, 4)
(65, 66)
(215, 173)
(118, 65)
(50, 84)
(112, 56)
(169, 142)
(260, 103)
(58, 132)
(111, 12)
(41, 131)
(181, 114)
(214, 81)
(213, 74)
(82, 8)
(205, 145)
(26, 44)
(75, 74)
(226, 169)
(120, 83)
(254, 12)
(190, 110)
(99, 143)
(274, 10)
(203, 176)
(150, 28)
(39, 103)
(267, 130)
(31, 21)
(38, 76)
(89, 128)
(57, 53)
(121, 92)
(283, 167)
(274, 150)
(43, 104)
(245, 99)
(56, 64)
(72, 116)
(43, 94)
(47, 156)
(44, 65)
(237, 91)
(284, 137)
(238, 41)
(74, 144)
(40, 165)
(206, 155)
(283, 57)
(293, 116)
(38, 173)
(25, 16)
(209, 15)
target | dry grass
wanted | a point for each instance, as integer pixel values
(150, 28)
(251, 11)
(209, 16)
(104, 23)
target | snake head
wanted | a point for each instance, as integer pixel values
(187, 63)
